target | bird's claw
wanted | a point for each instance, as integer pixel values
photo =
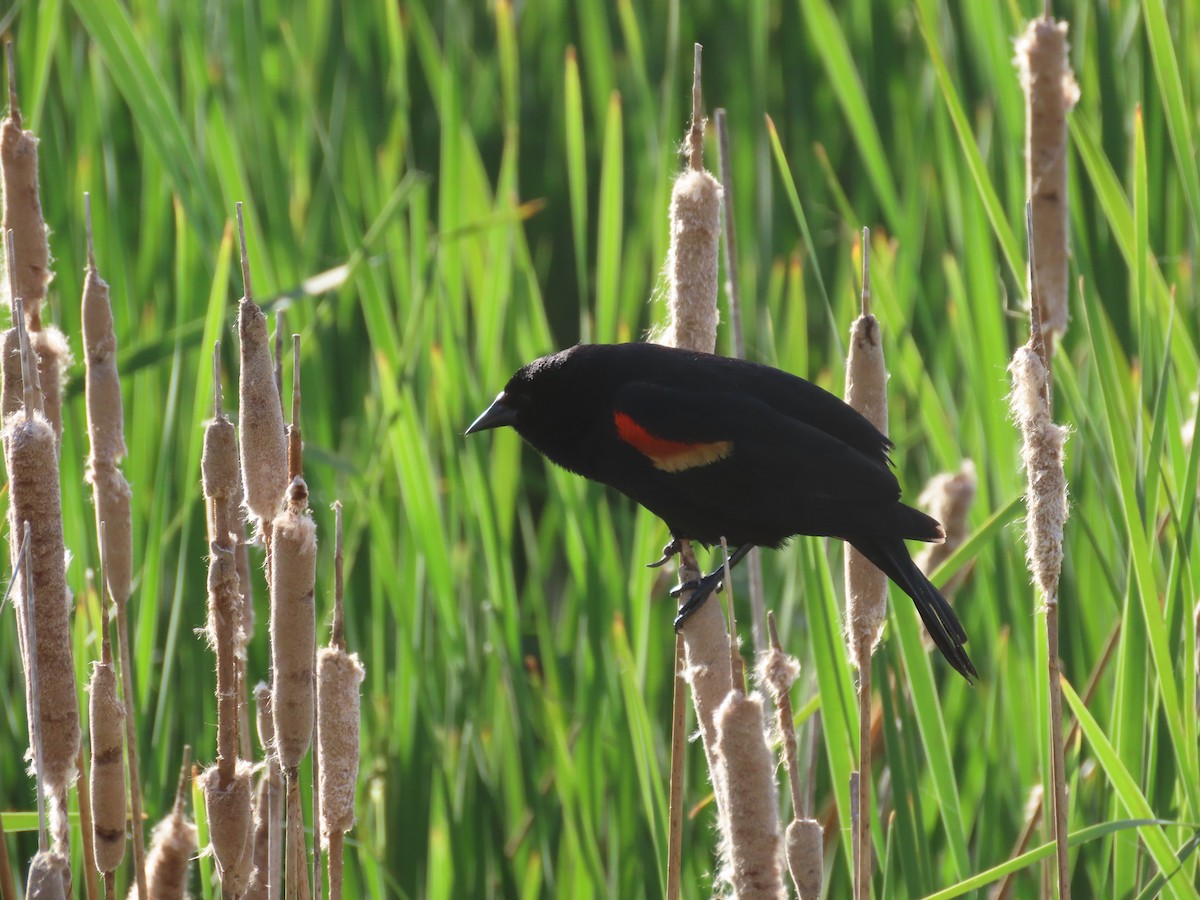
(670, 550)
(678, 590)
(702, 589)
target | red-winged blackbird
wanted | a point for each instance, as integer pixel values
(720, 447)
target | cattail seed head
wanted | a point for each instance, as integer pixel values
(692, 260)
(106, 722)
(49, 876)
(1042, 457)
(12, 390)
(338, 676)
(948, 498)
(806, 857)
(749, 823)
(23, 216)
(173, 844)
(1050, 93)
(229, 808)
(293, 627)
(260, 417)
(866, 391)
(32, 459)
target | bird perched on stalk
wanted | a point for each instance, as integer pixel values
(719, 447)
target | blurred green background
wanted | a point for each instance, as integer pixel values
(493, 179)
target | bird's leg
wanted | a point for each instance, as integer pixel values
(672, 549)
(706, 586)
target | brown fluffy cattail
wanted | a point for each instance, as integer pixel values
(751, 826)
(695, 239)
(260, 417)
(293, 625)
(23, 207)
(1050, 93)
(49, 876)
(106, 425)
(806, 857)
(106, 722)
(1042, 456)
(172, 846)
(866, 391)
(32, 460)
(948, 498)
(338, 676)
(229, 807)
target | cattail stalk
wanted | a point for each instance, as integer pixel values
(268, 811)
(339, 675)
(1050, 93)
(866, 585)
(1046, 504)
(804, 845)
(702, 652)
(753, 565)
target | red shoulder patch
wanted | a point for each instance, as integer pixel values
(668, 455)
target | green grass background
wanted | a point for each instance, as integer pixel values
(494, 178)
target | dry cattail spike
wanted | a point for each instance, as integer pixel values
(32, 460)
(106, 715)
(749, 821)
(49, 876)
(806, 857)
(948, 498)
(260, 418)
(339, 675)
(16, 384)
(1050, 93)
(230, 822)
(106, 424)
(23, 207)
(293, 626)
(866, 391)
(224, 623)
(219, 466)
(172, 846)
(777, 672)
(695, 241)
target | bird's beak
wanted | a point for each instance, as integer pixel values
(495, 416)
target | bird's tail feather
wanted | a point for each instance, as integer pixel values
(891, 556)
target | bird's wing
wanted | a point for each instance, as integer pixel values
(681, 431)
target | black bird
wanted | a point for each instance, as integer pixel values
(719, 447)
